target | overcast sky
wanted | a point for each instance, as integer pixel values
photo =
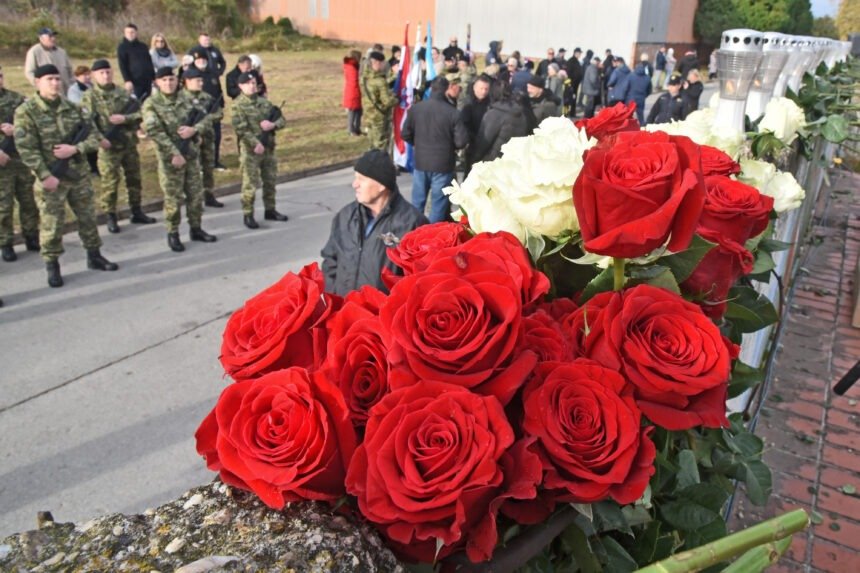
(824, 7)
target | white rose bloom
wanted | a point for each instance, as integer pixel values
(783, 187)
(727, 139)
(783, 118)
(486, 209)
(697, 127)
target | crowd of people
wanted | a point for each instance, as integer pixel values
(82, 122)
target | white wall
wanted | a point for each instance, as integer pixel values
(532, 26)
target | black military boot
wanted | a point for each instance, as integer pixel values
(32, 242)
(251, 222)
(210, 200)
(139, 217)
(112, 224)
(55, 279)
(273, 215)
(174, 243)
(9, 253)
(97, 262)
(198, 234)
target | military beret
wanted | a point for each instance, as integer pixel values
(246, 77)
(191, 73)
(378, 56)
(536, 81)
(163, 72)
(100, 65)
(46, 70)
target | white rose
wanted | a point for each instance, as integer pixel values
(486, 209)
(783, 118)
(699, 127)
(727, 139)
(783, 187)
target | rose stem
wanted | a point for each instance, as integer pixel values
(618, 265)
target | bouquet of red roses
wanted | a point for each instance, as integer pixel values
(491, 388)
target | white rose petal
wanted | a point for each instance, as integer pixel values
(784, 119)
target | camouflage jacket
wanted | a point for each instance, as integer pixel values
(377, 99)
(103, 101)
(42, 124)
(162, 117)
(9, 101)
(203, 101)
(248, 112)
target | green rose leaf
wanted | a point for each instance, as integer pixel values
(749, 311)
(835, 129)
(684, 263)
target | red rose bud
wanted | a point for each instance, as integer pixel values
(610, 121)
(279, 327)
(668, 349)
(436, 464)
(543, 335)
(734, 210)
(633, 196)
(419, 246)
(588, 431)
(717, 272)
(717, 162)
(285, 436)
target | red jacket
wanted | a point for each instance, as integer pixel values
(351, 91)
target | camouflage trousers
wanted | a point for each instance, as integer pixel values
(113, 164)
(52, 212)
(207, 161)
(16, 184)
(181, 185)
(379, 134)
(258, 171)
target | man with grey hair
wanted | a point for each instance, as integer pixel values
(47, 52)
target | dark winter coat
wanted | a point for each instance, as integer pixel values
(455, 53)
(660, 61)
(504, 120)
(434, 127)
(545, 105)
(685, 64)
(212, 84)
(351, 260)
(691, 95)
(574, 71)
(351, 89)
(216, 58)
(666, 109)
(520, 80)
(638, 86)
(591, 81)
(135, 63)
(618, 83)
(493, 56)
(472, 114)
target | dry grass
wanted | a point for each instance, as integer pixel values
(312, 85)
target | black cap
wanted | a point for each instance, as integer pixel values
(163, 72)
(377, 165)
(577, 49)
(560, 50)
(191, 73)
(46, 70)
(47, 32)
(378, 56)
(674, 81)
(536, 81)
(199, 53)
(100, 65)
(246, 77)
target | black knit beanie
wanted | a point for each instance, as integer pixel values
(377, 165)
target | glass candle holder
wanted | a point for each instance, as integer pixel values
(738, 61)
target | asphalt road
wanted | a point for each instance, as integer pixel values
(104, 381)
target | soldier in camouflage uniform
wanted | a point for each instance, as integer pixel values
(251, 118)
(164, 113)
(44, 126)
(16, 182)
(378, 102)
(118, 155)
(199, 99)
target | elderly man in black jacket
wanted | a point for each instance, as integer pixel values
(435, 129)
(135, 64)
(355, 253)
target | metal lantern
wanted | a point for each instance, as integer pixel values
(738, 60)
(774, 57)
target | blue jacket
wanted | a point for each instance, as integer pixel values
(618, 80)
(638, 86)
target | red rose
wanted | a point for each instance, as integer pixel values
(356, 359)
(367, 297)
(543, 335)
(717, 272)
(558, 308)
(611, 120)
(433, 466)
(505, 252)
(669, 350)
(735, 210)
(588, 430)
(633, 196)
(279, 327)
(717, 162)
(417, 247)
(285, 436)
(459, 322)
(576, 324)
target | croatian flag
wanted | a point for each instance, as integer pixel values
(404, 90)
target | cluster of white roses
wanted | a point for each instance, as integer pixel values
(527, 191)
